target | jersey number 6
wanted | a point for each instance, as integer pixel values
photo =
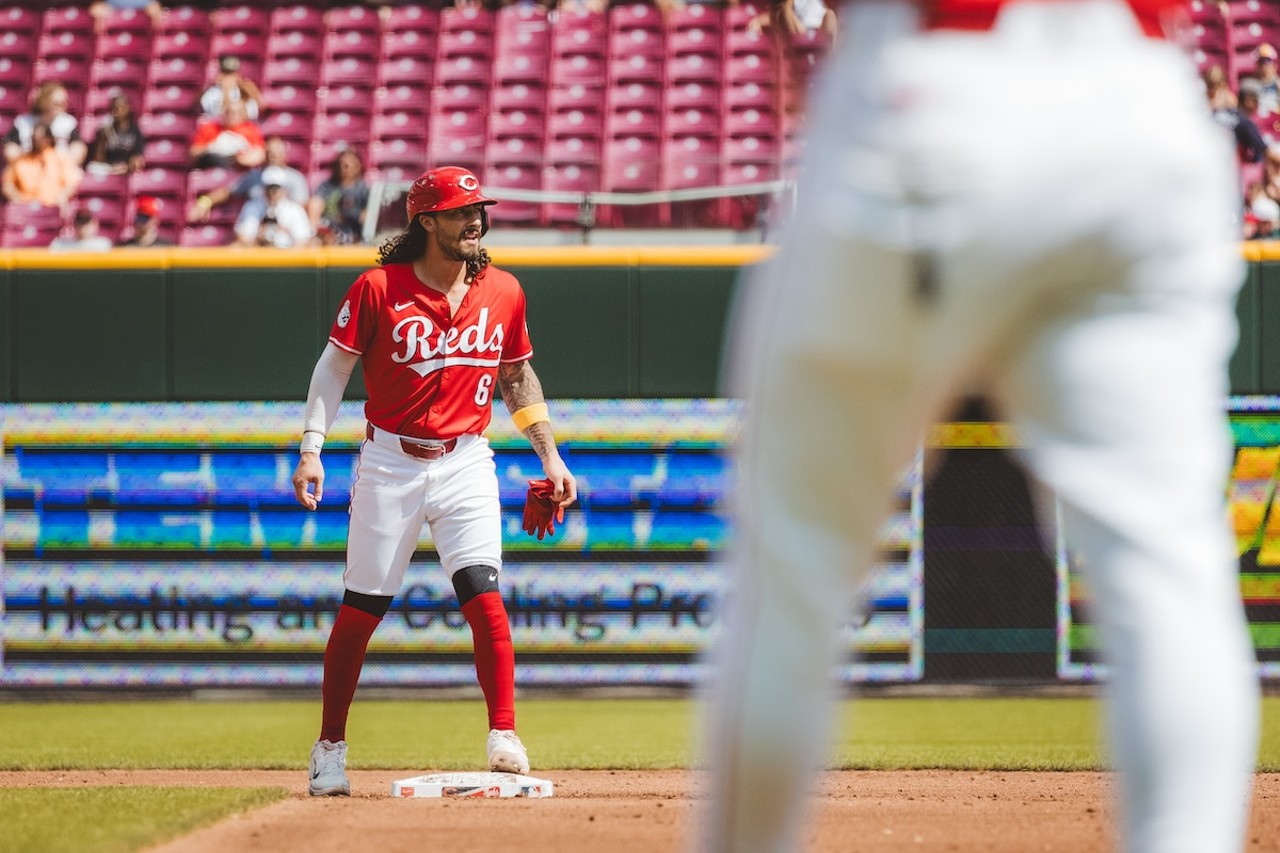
(482, 389)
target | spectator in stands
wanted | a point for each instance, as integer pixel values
(275, 219)
(232, 141)
(1249, 142)
(99, 9)
(1265, 71)
(48, 107)
(85, 237)
(1262, 215)
(117, 146)
(44, 174)
(146, 225)
(1249, 100)
(249, 185)
(230, 86)
(337, 209)
(791, 18)
(1217, 89)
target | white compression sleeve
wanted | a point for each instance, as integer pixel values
(328, 382)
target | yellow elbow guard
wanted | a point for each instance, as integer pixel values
(530, 415)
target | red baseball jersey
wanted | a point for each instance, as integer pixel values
(430, 375)
(1157, 17)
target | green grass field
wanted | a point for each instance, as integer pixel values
(881, 733)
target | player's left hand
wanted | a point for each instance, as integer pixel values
(565, 486)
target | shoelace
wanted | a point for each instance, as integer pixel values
(330, 763)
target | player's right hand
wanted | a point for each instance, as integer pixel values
(309, 473)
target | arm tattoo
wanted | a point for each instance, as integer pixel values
(520, 387)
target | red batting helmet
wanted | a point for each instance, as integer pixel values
(446, 188)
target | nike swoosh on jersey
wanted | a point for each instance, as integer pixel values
(400, 306)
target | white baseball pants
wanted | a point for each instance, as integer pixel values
(1044, 212)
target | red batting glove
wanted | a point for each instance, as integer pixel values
(541, 512)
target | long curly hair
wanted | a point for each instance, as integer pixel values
(409, 245)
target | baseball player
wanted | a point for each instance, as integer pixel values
(985, 204)
(436, 328)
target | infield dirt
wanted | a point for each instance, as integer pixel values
(931, 811)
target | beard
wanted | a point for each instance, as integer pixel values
(454, 250)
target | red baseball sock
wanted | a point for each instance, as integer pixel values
(343, 658)
(495, 657)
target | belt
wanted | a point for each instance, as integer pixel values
(419, 450)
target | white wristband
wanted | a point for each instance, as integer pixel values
(311, 442)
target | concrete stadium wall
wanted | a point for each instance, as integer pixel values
(199, 324)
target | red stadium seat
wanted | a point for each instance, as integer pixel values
(241, 17)
(13, 102)
(170, 99)
(458, 124)
(346, 97)
(518, 96)
(360, 43)
(575, 97)
(521, 18)
(30, 225)
(201, 181)
(521, 123)
(98, 185)
(565, 150)
(206, 236)
(353, 70)
(579, 31)
(749, 149)
(185, 19)
(177, 71)
(406, 153)
(167, 153)
(693, 95)
(458, 96)
(412, 43)
(463, 69)
(18, 46)
(575, 123)
(515, 150)
(347, 127)
(70, 71)
(509, 68)
(288, 125)
(420, 19)
(645, 96)
(298, 99)
(67, 18)
(571, 178)
(470, 17)
(705, 40)
(514, 176)
(751, 122)
(631, 164)
(249, 46)
(467, 42)
(15, 74)
(586, 69)
(628, 16)
(399, 124)
(692, 122)
(294, 44)
(98, 102)
(635, 68)
(412, 71)
(173, 125)
(180, 43)
(108, 210)
(22, 22)
(126, 44)
(74, 43)
(156, 181)
(352, 17)
(695, 16)
(296, 17)
(127, 73)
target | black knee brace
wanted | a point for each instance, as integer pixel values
(470, 581)
(374, 605)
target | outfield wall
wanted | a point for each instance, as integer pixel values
(196, 324)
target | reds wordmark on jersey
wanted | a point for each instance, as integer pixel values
(430, 375)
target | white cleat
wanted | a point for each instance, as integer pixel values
(329, 770)
(506, 753)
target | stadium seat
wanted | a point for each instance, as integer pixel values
(570, 178)
(703, 40)
(296, 17)
(98, 99)
(169, 125)
(249, 46)
(518, 96)
(515, 176)
(635, 68)
(751, 122)
(586, 69)
(73, 43)
(294, 44)
(29, 225)
(354, 70)
(180, 43)
(13, 102)
(324, 151)
(185, 19)
(288, 124)
(458, 124)
(201, 181)
(518, 123)
(67, 18)
(294, 98)
(575, 96)
(511, 67)
(406, 154)
(170, 99)
(15, 74)
(125, 73)
(351, 128)
(345, 98)
(167, 153)
(469, 17)
(566, 150)
(463, 69)
(97, 185)
(514, 150)
(364, 44)
(399, 124)
(631, 164)
(21, 22)
(206, 236)
(458, 96)
(352, 17)
(177, 70)
(693, 95)
(156, 181)
(18, 46)
(241, 17)
(575, 123)
(411, 43)
(414, 72)
(756, 150)
(692, 122)
(124, 44)
(637, 95)
(627, 16)
(108, 210)
(419, 19)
